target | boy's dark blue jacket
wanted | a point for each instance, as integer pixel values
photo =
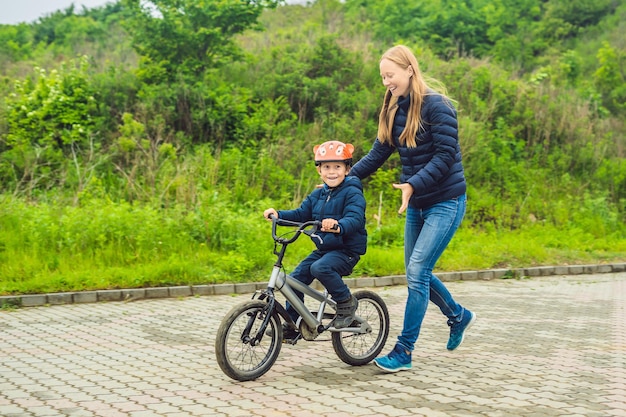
(434, 167)
(344, 203)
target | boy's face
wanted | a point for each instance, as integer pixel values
(333, 173)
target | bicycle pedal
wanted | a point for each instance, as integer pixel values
(292, 341)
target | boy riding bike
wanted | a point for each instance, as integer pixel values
(340, 206)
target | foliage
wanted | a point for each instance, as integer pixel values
(15, 43)
(513, 32)
(186, 36)
(101, 244)
(150, 160)
(611, 78)
(50, 118)
(180, 44)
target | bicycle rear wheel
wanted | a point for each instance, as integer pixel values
(360, 349)
(237, 354)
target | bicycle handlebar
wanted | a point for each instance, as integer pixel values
(301, 228)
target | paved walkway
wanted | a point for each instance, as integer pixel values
(545, 346)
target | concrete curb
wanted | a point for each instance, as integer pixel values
(133, 294)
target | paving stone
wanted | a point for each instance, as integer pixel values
(60, 298)
(34, 300)
(501, 273)
(202, 290)
(365, 282)
(383, 281)
(180, 291)
(576, 269)
(469, 275)
(133, 294)
(561, 270)
(10, 301)
(399, 279)
(618, 267)
(110, 295)
(541, 346)
(245, 288)
(485, 275)
(221, 289)
(157, 292)
(85, 297)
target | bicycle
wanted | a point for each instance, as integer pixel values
(250, 336)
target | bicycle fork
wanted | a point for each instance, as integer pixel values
(266, 312)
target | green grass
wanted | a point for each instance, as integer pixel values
(532, 246)
(100, 244)
(38, 271)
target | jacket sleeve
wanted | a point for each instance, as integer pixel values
(353, 218)
(441, 118)
(304, 213)
(374, 159)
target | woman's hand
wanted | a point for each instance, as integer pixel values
(407, 192)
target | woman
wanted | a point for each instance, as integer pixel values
(421, 124)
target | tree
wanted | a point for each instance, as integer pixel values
(15, 44)
(189, 36)
(181, 44)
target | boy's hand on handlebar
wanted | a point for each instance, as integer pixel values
(407, 192)
(330, 225)
(269, 213)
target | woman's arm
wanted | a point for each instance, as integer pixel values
(374, 159)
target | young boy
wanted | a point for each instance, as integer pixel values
(340, 206)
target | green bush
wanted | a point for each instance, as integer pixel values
(151, 166)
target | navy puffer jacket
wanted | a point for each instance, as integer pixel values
(344, 203)
(433, 168)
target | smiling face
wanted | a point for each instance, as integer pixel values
(395, 78)
(333, 173)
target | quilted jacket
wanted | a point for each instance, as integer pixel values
(433, 168)
(344, 203)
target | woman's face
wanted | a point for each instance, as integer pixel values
(395, 78)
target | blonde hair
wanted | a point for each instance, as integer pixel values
(403, 57)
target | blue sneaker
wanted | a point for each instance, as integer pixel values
(457, 329)
(396, 360)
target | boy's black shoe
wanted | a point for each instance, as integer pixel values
(345, 312)
(289, 333)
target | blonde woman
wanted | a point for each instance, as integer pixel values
(421, 125)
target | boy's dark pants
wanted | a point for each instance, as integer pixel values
(329, 268)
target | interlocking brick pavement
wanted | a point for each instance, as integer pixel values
(545, 346)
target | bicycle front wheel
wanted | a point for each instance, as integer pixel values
(360, 349)
(239, 356)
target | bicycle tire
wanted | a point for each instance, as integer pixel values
(237, 357)
(360, 349)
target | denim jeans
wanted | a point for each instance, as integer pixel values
(329, 268)
(426, 235)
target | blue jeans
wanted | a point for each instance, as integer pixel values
(329, 268)
(426, 235)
